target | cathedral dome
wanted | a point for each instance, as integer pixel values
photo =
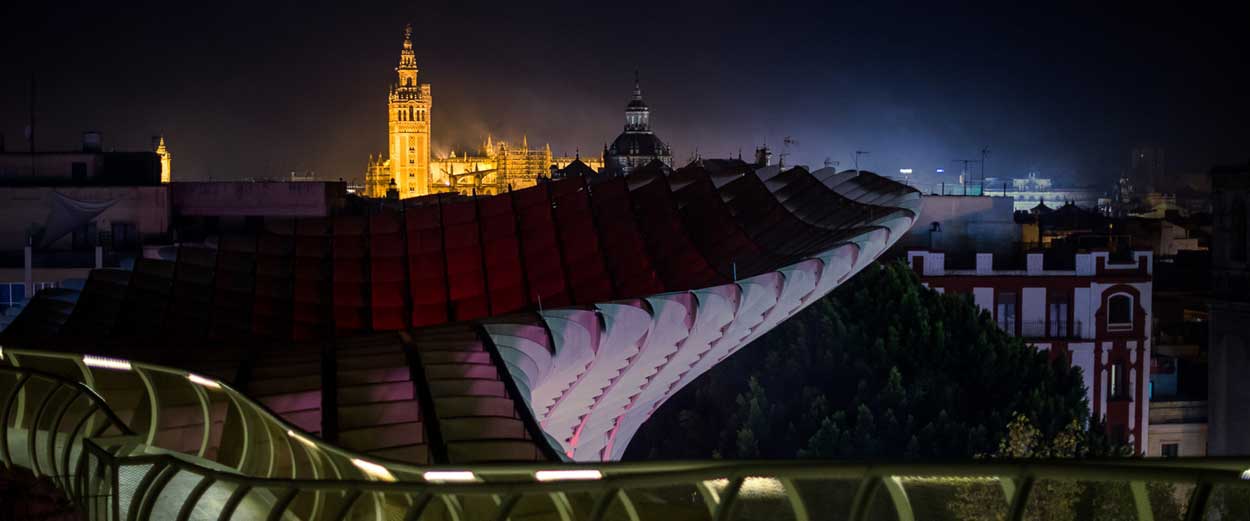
(638, 144)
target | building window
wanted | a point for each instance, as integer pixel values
(1120, 312)
(1058, 309)
(1119, 389)
(1171, 450)
(1006, 312)
(1237, 246)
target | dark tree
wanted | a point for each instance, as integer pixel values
(882, 368)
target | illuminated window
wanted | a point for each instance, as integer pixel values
(1120, 311)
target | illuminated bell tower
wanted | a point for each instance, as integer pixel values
(162, 152)
(409, 126)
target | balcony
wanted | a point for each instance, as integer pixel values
(1040, 329)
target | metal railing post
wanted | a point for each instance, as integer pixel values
(1197, 508)
(188, 504)
(1141, 501)
(862, 501)
(727, 499)
(1020, 500)
(902, 504)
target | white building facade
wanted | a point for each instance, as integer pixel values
(1097, 316)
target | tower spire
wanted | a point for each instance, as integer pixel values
(637, 116)
(407, 58)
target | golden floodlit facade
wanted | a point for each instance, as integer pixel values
(410, 168)
(162, 152)
(497, 166)
(407, 167)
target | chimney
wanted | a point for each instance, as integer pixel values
(92, 141)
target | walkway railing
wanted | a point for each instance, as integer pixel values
(113, 466)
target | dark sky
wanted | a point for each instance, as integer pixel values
(259, 89)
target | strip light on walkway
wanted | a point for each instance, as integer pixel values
(307, 442)
(104, 362)
(443, 476)
(568, 475)
(197, 379)
(374, 470)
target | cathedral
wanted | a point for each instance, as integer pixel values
(411, 170)
(497, 166)
(637, 145)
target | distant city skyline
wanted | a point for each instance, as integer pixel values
(245, 91)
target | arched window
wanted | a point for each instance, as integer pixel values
(410, 114)
(1237, 227)
(1120, 311)
(407, 82)
(400, 115)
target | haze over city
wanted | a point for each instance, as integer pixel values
(624, 261)
(254, 90)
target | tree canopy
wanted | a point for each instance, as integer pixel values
(881, 368)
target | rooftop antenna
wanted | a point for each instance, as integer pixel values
(785, 151)
(963, 174)
(857, 154)
(985, 152)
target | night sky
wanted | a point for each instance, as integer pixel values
(255, 90)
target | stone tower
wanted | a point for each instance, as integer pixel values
(408, 129)
(162, 152)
